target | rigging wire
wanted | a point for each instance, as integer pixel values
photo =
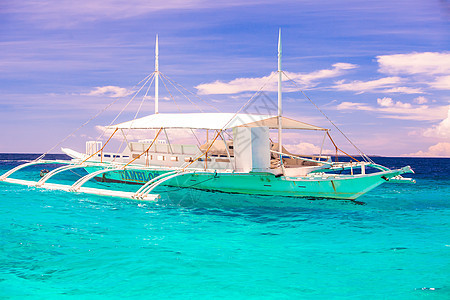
(123, 109)
(198, 141)
(195, 95)
(143, 98)
(249, 100)
(199, 108)
(89, 120)
(173, 98)
(135, 116)
(229, 135)
(363, 155)
(132, 98)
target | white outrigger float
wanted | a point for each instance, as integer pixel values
(248, 162)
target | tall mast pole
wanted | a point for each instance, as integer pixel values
(280, 147)
(156, 76)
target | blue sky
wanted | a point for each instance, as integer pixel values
(378, 69)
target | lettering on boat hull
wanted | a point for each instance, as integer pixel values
(137, 176)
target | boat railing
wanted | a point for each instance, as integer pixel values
(165, 160)
(304, 158)
(137, 147)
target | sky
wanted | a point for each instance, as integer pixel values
(380, 70)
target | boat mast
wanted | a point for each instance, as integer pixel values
(156, 76)
(280, 147)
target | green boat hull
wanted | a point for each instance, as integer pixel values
(323, 186)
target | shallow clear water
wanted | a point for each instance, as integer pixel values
(201, 245)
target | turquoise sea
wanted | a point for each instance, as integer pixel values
(392, 244)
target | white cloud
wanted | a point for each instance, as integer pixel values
(438, 150)
(308, 79)
(354, 106)
(420, 100)
(304, 149)
(344, 66)
(235, 86)
(388, 108)
(109, 91)
(442, 130)
(388, 102)
(386, 84)
(429, 63)
(404, 90)
(165, 98)
(430, 68)
(240, 85)
(417, 70)
(385, 102)
(441, 83)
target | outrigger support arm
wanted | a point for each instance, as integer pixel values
(77, 185)
(52, 173)
(7, 174)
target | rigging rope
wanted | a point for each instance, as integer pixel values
(101, 150)
(154, 140)
(337, 148)
(204, 153)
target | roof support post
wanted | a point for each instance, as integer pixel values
(233, 166)
(321, 147)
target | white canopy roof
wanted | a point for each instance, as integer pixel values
(211, 121)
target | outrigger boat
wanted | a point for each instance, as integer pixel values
(248, 162)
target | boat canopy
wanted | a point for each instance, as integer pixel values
(215, 121)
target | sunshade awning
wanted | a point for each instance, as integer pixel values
(215, 121)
